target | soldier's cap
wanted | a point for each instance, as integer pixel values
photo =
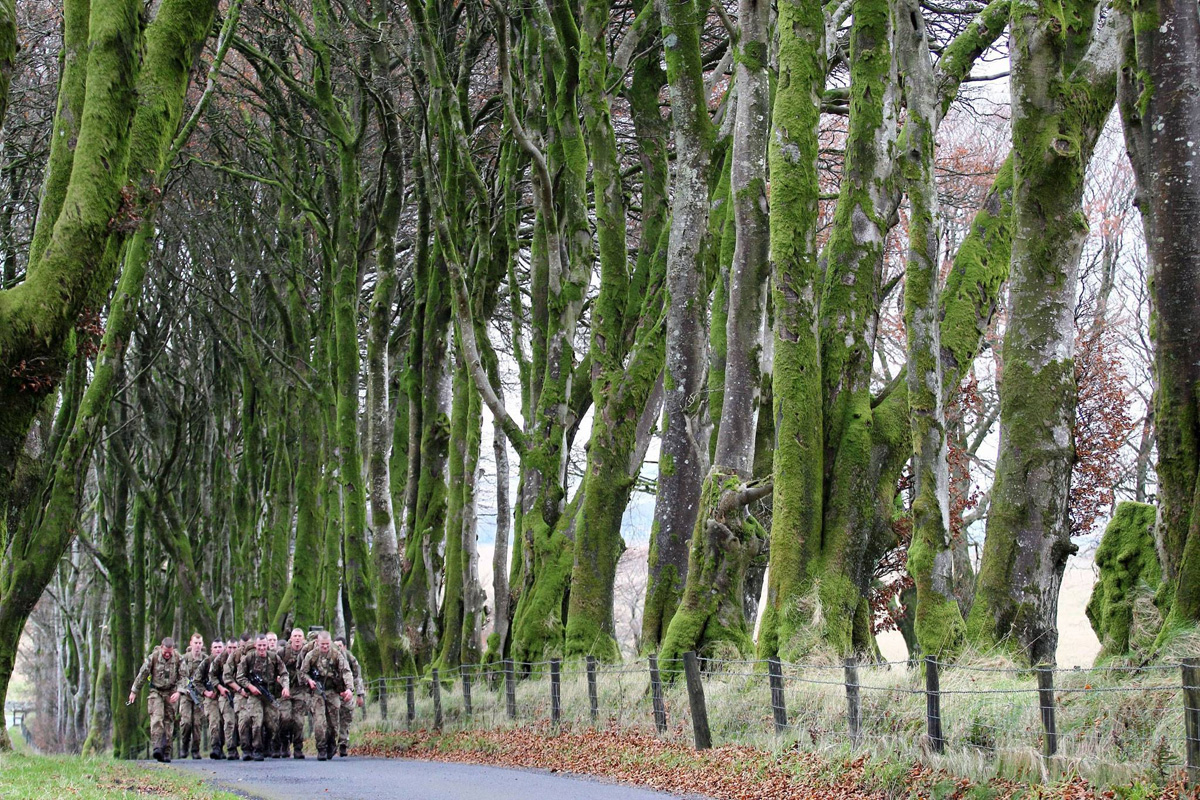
(168, 643)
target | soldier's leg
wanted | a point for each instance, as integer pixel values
(197, 726)
(320, 721)
(345, 717)
(185, 724)
(299, 713)
(271, 727)
(245, 728)
(154, 706)
(229, 726)
(334, 705)
(254, 707)
(212, 707)
(170, 711)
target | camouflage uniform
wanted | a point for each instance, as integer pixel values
(164, 681)
(216, 674)
(346, 715)
(333, 671)
(215, 707)
(191, 713)
(258, 708)
(229, 677)
(293, 710)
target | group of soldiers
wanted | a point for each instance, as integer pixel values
(252, 693)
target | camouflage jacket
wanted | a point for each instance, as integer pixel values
(332, 668)
(229, 672)
(269, 668)
(292, 659)
(189, 666)
(163, 673)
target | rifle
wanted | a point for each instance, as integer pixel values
(318, 680)
(191, 690)
(261, 685)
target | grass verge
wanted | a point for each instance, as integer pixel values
(735, 771)
(32, 777)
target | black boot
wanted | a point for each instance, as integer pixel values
(158, 753)
(342, 750)
(247, 755)
(321, 754)
(297, 750)
(166, 751)
(258, 755)
(216, 754)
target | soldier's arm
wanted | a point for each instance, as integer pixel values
(142, 673)
(306, 665)
(243, 673)
(347, 675)
(281, 668)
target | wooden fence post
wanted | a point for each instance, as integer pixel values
(466, 679)
(410, 699)
(656, 693)
(695, 688)
(1191, 718)
(1045, 676)
(555, 692)
(593, 695)
(510, 689)
(778, 703)
(437, 701)
(853, 701)
(933, 705)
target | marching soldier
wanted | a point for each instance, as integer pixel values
(216, 701)
(191, 704)
(238, 695)
(294, 709)
(328, 674)
(346, 714)
(162, 668)
(271, 738)
(259, 672)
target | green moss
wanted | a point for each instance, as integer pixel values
(1126, 560)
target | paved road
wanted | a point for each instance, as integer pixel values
(379, 778)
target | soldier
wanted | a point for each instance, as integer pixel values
(216, 700)
(294, 709)
(238, 695)
(327, 672)
(258, 673)
(162, 669)
(271, 739)
(191, 710)
(346, 715)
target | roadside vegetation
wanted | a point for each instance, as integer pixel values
(24, 776)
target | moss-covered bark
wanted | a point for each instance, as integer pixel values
(796, 373)
(1128, 564)
(1162, 126)
(1063, 92)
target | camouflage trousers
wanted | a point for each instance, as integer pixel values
(218, 709)
(191, 723)
(235, 725)
(293, 711)
(162, 717)
(260, 716)
(345, 717)
(326, 711)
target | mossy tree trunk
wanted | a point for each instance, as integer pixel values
(1161, 112)
(683, 455)
(726, 538)
(1064, 84)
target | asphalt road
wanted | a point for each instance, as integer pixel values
(378, 778)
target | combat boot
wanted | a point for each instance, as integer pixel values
(321, 755)
(258, 755)
(158, 753)
(166, 751)
(342, 750)
(216, 754)
(297, 750)
(247, 755)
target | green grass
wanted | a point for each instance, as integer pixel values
(30, 777)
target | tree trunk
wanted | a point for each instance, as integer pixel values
(1028, 533)
(1161, 112)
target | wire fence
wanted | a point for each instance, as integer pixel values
(1118, 723)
